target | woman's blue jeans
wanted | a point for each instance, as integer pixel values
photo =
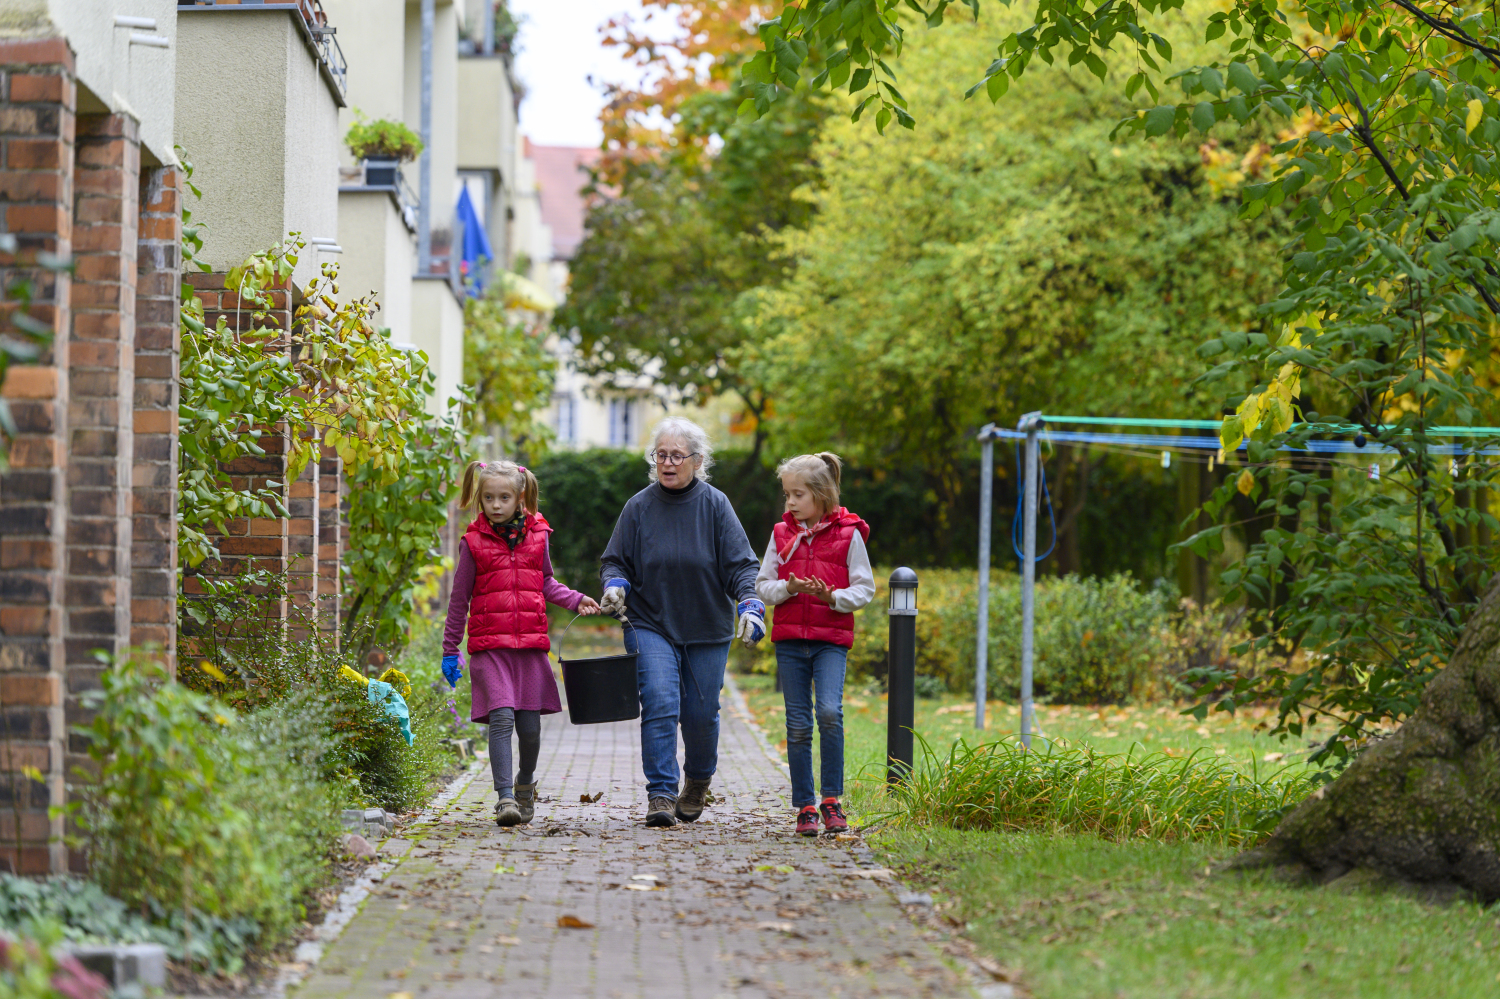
(679, 685)
(807, 667)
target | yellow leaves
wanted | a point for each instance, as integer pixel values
(213, 671)
(1272, 411)
(1245, 482)
(1475, 116)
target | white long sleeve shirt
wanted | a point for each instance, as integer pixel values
(859, 592)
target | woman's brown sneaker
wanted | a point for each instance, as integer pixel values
(660, 813)
(693, 800)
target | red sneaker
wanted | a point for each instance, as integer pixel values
(807, 821)
(833, 816)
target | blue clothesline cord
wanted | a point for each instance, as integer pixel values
(1212, 443)
(1015, 524)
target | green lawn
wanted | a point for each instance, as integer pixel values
(1077, 916)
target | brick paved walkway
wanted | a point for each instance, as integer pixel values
(732, 905)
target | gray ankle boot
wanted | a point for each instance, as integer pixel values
(526, 801)
(507, 812)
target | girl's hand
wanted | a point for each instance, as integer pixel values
(587, 607)
(821, 590)
(795, 585)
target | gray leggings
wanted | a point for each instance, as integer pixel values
(527, 725)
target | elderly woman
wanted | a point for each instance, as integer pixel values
(676, 565)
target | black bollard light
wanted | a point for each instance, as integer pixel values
(901, 675)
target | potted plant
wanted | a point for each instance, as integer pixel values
(382, 145)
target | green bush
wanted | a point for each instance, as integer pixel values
(1096, 640)
(382, 138)
(198, 810)
(31, 969)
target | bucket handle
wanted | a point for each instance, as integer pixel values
(564, 636)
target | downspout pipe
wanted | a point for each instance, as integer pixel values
(424, 183)
(489, 28)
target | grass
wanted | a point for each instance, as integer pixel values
(1078, 917)
(1105, 891)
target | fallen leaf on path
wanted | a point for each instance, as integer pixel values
(639, 887)
(506, 941)
(780, 927)
(878, 873)
(589, 799)
(398, 995)
(573, 923)
(644, 877)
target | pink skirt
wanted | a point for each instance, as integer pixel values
(512, 678)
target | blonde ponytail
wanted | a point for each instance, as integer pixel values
(820, 473)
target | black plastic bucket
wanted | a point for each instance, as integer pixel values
(602, 689)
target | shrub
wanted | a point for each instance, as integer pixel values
(1003, 786)
(30, 969)
(196, 810)
(366, 757)
(382, 138)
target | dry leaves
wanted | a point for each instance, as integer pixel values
(589, 799)
(573, 923)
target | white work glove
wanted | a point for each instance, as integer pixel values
(752, 622)
(613, 602)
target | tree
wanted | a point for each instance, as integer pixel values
(995, 262)
(1387, 160)
(507, 368)
(680, 231)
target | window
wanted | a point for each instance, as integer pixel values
(566, 426)
(622, 430)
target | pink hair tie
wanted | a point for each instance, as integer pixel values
(521, 468)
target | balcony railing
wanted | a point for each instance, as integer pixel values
(312, 19)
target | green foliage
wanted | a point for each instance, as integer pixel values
(654, 283)
(509, 370)
(365, 761)
(333, 380)
(1003, 786)
(30, 969)
(384, 137)
(196, 809)
(1042, 266)
(395, 528)
(1390, 127)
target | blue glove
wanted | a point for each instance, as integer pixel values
(451, 671)
(752, 622)
(613, 601)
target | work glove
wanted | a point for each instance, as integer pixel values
(613, 602)
(752, 622)
(451, 671)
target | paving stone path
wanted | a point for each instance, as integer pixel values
(732, 905)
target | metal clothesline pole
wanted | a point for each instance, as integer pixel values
(1029, 424)
(986, 501)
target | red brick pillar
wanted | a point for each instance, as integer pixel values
(331, 530)
(37, 99)
(101, 380)
(153, 556)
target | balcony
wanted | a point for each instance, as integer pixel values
(316, 31)
(383, 174)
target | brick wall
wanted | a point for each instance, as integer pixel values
(153, 554)
(101, 380)
(37, 101)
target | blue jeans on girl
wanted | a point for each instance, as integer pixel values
(807, 667)
(679, 685)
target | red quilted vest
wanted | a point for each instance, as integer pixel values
(826, 556)
(507, 610)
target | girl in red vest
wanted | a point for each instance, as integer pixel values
(501, 588)
(816, 573)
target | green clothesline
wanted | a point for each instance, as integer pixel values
(1137, 421)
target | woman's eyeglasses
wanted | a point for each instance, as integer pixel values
(663, 458)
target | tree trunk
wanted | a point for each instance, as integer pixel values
(1423, 805)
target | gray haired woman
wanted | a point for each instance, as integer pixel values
(682, 571)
